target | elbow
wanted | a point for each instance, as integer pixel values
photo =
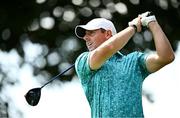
(166, 59)
(170, 58)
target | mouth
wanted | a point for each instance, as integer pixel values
(90, 46)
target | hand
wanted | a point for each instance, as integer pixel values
(146, 18)
(136, 23)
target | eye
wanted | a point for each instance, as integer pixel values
(90, 32)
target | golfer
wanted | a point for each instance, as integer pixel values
(112, 81)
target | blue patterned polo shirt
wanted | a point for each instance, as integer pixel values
(114, 90)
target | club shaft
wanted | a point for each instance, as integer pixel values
(58, 75)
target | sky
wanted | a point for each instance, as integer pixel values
(67, 99)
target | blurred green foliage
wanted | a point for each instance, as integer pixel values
(22, 19)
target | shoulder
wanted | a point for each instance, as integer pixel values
(82, 63)
(82, 58)
(138, 58)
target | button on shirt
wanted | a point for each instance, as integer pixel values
(114, 90)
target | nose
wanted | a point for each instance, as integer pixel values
(86, 38)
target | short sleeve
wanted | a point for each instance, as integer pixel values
(82, 67)
(142, 62)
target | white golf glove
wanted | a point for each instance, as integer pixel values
(146, 18)
(133, 24)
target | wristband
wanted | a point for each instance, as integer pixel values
(135, 27)
(132, 24)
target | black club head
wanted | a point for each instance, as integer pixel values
(33, 96)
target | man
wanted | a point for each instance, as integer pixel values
(113, 82)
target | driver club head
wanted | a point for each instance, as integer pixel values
(33, 96)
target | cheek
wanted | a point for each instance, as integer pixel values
(98, 43)
(101, 39)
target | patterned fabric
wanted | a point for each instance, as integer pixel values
(114, 90)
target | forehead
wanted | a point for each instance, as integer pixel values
(91, 31)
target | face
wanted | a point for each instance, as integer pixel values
(95, 38)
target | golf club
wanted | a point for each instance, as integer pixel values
(33, 95)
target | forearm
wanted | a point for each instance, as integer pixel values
(163, 47)
(110, 47)
(117, 42)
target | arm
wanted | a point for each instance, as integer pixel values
(111, 46)
(164, 52)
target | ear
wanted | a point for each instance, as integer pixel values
(108, 34)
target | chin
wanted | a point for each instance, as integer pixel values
(91, 48)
